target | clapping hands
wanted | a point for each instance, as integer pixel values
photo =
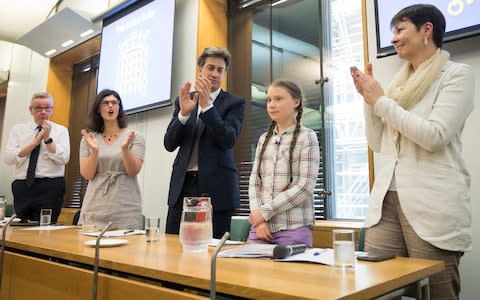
(90, 139)
(366, 85)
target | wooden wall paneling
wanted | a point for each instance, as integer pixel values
(53, 280)
(59, 86)
(239, 83)
(322, 232)
(212, 26)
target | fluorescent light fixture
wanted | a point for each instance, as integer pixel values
(247, 3)
(67, 43)
(279, 2)
(58, 29)
(50, 52)
(86, 68)
(86, 33)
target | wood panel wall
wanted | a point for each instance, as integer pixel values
(60, 75)
(212, 26)
(322, 232)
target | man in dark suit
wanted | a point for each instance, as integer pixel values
(205, 125)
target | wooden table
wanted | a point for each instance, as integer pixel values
(163, 262)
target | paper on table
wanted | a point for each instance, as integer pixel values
(49, 227)
(249, 251)
(214, 242)
(314, 255)
(115, 233)
(6, 219)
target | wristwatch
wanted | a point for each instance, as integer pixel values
(49, 141)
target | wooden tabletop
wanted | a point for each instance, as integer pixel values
(250, 278)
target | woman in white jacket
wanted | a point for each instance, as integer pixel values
(420, 202)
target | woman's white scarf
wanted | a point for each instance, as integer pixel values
(409, 87)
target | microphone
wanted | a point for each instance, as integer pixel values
(277, 142)
(281, 251)
(96, 262)
(2, 245)
(213, 266)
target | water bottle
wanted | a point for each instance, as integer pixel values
(196, 224)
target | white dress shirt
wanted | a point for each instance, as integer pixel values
(49, 165)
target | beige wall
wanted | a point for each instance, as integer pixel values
(28, 74)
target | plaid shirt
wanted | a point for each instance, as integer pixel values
(292, 208)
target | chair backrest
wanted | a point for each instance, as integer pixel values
(361, 239)
(239, 228)
(76, 216)
(9, 210)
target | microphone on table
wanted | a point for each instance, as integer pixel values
(213, 266)
(2, 246)
(281, 251)
(97, 260)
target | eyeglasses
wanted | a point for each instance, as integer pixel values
(41, 108)
(108, 102)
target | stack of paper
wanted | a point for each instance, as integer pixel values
(116, 233)
(313, 255)
(249, 251)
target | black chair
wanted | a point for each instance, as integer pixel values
(76, 216)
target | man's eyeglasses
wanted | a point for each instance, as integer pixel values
(108, 102)
(41, 108)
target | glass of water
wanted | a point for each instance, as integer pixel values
(343, 248)
(152, 229)
(45, 216)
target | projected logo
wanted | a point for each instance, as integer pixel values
(132, 71)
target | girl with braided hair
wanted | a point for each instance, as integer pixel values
(284, 172)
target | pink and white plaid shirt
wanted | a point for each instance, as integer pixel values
(292, 208)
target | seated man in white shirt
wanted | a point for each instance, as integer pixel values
(39, 150)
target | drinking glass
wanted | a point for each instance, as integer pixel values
(45, 216)
(196, 224)
(88, 222)
(343, 248)
(152, 229)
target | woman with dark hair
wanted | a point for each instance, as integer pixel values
(111, 156)
(420, 203)
(284, 172)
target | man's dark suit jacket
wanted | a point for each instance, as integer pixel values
(217, 170)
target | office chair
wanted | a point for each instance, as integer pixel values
(361, 239)
(239, 228)
(76, 216)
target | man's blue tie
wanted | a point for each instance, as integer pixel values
(32, 163)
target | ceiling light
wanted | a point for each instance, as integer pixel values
(86, 33)
(279, 2)
(50, 52)
(58, 29)
(67, 43)
(86, 68)
(247, 3)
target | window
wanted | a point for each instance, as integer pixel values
(313, 43)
